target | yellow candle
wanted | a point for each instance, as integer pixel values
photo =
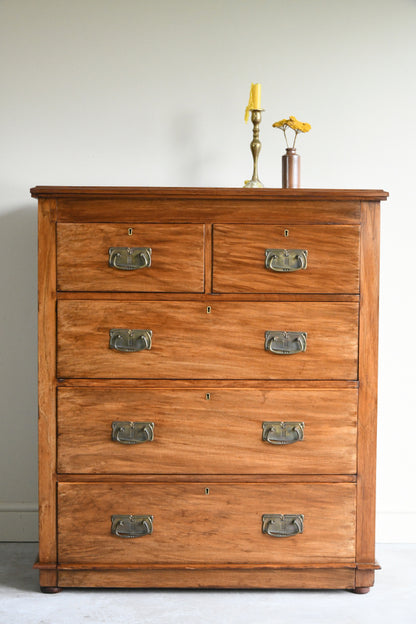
(254, 100)
(256, 89)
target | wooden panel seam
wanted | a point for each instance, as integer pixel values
(300, 479)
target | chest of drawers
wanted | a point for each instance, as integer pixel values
(207, 387)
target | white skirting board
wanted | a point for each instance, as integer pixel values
(19, 523)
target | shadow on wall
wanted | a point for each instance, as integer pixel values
(18, 361)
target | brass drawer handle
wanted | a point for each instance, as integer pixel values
(130, 340)
(131, 526)
(129, 258)
(283, 432)
(282, 525)
(132, 432)
(286, 260)
(285, 343)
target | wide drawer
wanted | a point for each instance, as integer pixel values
(85, 252)
(191, 340)
(205, 523)
(299, 259)
(209, 431)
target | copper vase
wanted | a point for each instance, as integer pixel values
(290, 169)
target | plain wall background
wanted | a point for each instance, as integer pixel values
(128, 92)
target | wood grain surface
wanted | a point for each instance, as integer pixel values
(210, 193)
(226, 343)
(239, 258)
(231, 209)
(207, 477)
(262, 384)
(214, 578)
(367, 405)
(190, 526)
(204, 297)
(195, 435)
(177, 261)
(201, 478)
(47, 387)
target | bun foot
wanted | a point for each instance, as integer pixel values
(50, 590)
(361, 590)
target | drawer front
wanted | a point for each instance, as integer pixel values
(185, 431)
(176, 257)
(204, 523)
(330, 264)
(187, 341)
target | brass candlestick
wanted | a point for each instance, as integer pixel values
(255, 147)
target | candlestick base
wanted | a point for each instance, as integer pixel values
(253, 184)
(255, 147)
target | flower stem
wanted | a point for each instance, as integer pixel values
(284, 132)
(294, 140)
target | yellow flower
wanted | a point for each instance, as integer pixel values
(298, 126)
(281, 124)
(294, 124)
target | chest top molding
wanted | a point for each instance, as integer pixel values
(137, 192)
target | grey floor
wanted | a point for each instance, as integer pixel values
(391, 601)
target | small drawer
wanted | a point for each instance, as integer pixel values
(168, 523)
(186, 431)
(190, 340)
(137, 257)
(290, 259)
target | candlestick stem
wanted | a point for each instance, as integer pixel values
(255, 147)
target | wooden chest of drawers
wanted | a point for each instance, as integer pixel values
(207, 387)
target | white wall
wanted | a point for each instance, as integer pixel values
(130, 92)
